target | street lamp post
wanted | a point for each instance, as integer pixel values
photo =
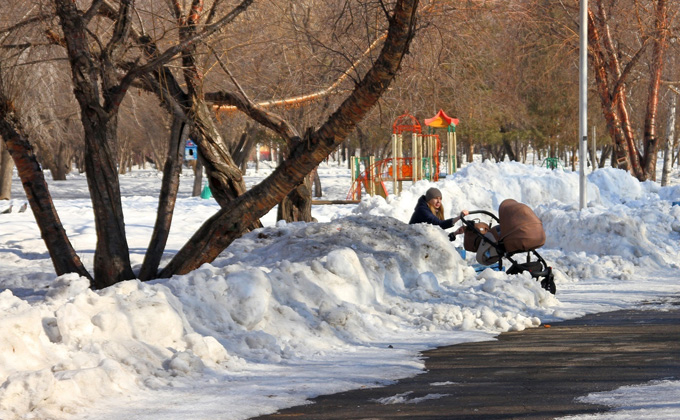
(583, 100)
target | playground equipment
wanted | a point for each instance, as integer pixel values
(552, 163)
(424, 162)
(441, 120)
(190, 150)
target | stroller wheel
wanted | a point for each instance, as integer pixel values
(549, 284)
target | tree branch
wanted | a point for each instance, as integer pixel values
(269, 120)
(121, 30)
(168, 54)
(26, 22)
(92, 11)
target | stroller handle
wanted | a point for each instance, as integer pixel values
(484, 212)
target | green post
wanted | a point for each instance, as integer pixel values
(206, 193)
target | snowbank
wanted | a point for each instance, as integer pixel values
(294, 310)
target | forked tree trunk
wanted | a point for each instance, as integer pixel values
(611, 79)
(606, 67)
(245, 146)
(227, 225)
(112, 259)
(606, 151)
(224, 176)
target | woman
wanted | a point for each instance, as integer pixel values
(430, 210)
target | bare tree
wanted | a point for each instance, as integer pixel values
(305, 154)
(104, 68)
(613, 75)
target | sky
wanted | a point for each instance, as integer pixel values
(295, 310)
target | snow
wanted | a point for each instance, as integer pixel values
(295, 310)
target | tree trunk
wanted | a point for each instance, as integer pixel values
(297, 205)
(257, 158)
(507, 147)
(611, 79)
(318, 191)
(227, 225)
(112, 259)
(660, 45)
(56, 159)
(606, 151)
(6, 171)
(345, 155)
(198, 176)
(676, 152)
(245, 146)
(592, 154)
(166, 202)
(668, 150)
(64, 257)
(62, 163)
(224, 176)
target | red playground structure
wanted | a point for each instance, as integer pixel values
(424, 162)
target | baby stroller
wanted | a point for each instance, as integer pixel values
(517, 230)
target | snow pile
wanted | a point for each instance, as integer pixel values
(294, 310)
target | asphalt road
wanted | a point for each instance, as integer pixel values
(533, 374)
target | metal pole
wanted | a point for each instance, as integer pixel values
(456, 165)
(583, 100)
(450, 151)
(396, 138)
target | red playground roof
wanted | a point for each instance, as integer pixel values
(441, 120)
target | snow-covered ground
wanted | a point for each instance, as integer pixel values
(292, 311)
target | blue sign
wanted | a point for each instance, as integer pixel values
(190, 150)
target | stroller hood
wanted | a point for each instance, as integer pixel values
(521, 229)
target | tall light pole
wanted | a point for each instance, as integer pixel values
(583, 100)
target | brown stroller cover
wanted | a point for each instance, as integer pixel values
(521, 229)
(518, 229)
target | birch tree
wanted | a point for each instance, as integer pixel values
(615, 59)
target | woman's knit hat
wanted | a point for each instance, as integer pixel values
(432, 193)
